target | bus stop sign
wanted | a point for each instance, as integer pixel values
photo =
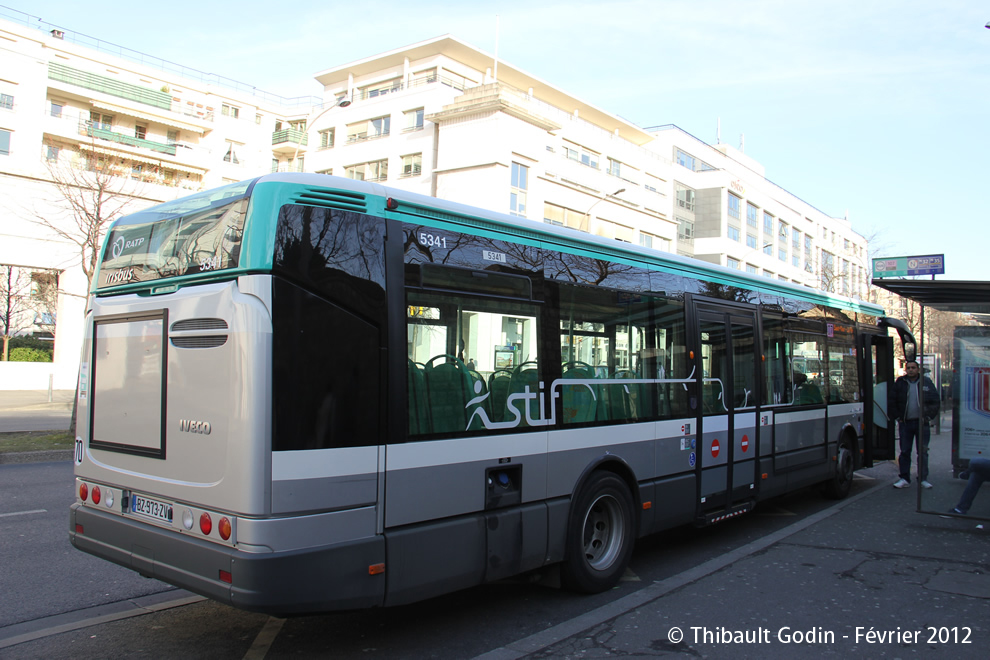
(932, 264)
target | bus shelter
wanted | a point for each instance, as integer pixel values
(966, 395)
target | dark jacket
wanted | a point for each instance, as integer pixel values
(900, 397)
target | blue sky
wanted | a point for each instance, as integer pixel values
(878, 108)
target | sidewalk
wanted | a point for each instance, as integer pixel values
(30, 410)
(870, 576)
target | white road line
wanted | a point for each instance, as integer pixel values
(22, 513)
(265, 639)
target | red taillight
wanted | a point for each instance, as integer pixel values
(96, 495)
(224, 528)
(83, 492)
(225, 576)
(205, 524)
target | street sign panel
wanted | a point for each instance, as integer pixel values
(931, 264)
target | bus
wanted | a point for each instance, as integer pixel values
(302, 393)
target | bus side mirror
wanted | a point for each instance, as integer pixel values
(910, 352)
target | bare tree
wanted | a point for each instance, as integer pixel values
(12, 296)
(92, 192)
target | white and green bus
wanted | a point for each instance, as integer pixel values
(302, 393)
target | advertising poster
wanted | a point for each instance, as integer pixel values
(971, 421)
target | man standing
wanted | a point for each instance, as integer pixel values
(907, 411)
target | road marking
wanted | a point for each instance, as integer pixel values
(266, 637)
(23, 513)
(541, 640)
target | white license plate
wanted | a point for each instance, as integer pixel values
(143, 506)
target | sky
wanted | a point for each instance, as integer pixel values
(873, 108)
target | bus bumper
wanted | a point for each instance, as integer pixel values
(320, 579)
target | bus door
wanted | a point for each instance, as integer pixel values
(730, 373)
(877, 353)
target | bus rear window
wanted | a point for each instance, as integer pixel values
(158, 244)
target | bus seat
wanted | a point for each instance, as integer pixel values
(498, 385)
(449, 385)
(419, 412)
(580, 403)
(624, 401)
(526, 374)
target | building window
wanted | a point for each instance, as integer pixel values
(257, 119)
(685, 198)
(609, 229)
(140, 132)
(768, 249)
(782, 254)
(692, 163)
(655, 242)
(795, 260)
(750, 268)
(414, 120)
(767, 226)
(733, 233)
(6, 101)
(371, 129)
(231, 155)
(519, 184)
(685, 229)
(51, 153)
(581, 155)
(326, 138)
(734, 204)
(564, 217)
(752, 241)
(231, 111)
(274, 164)
(136, 171)
(732, 263)
(373, 171)
(328, 171)
(380, 89)
(615, 168)
(56, 110)
(97, 120)
(653, 184)
(172, 137)
(4, 143)
(752, 215)
(782, 230)
(412, 165)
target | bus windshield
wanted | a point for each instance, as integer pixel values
(195, 234)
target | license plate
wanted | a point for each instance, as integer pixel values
(143, 506)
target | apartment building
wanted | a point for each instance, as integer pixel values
(439, 117)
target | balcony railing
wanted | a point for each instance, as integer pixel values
(97, 83)
(90, 130)
(290, 135)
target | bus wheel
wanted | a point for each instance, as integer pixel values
(838, 486)
(600, 535)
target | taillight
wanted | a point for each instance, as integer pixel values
(83, 492)
(96, 495)
(205, 524)
(224, 528)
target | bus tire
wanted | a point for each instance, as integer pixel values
(837, 487)
(600, 535)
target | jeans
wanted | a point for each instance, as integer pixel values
(909, 435)
(979, 471)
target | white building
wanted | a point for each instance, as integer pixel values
(438, 117)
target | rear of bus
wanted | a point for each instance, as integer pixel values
(213, 450)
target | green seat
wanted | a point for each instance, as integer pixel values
(580, 402)
(450, 388)
(419, 412)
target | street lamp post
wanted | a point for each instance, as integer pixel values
(599, 201)
(342, 102)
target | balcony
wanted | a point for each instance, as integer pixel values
(288, 140)
(111, 86)
(90, 130)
